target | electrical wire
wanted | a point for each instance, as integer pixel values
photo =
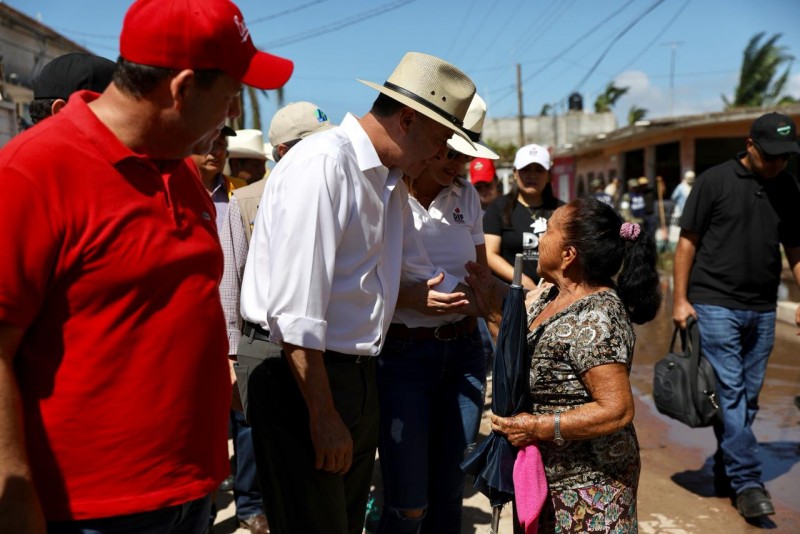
(657, 37)
(284, 12)
(338, 25)
(569, 48)
(615, 40)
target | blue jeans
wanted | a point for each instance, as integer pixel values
(246, 492)
(737, 343)
(188, 518)
(431, 395)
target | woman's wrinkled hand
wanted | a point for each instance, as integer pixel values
(520, 430)
(489, 291)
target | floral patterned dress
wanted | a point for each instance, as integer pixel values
(592, 482)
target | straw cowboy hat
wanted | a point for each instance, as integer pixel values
(431, 87)
(473, 126)
(247, 144)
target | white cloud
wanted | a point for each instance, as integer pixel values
(793, 86)
(691, 98)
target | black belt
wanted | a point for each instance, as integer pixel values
(254, 331)
(443, 332)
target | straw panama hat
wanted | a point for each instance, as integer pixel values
(432, 87)
(473, 126)
(247, 144)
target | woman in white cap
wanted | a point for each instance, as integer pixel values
(514, 223)
(432, 369)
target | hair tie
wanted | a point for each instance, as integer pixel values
(629, 231)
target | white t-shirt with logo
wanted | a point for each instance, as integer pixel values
(449, 230)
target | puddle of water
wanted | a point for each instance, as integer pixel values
(777, 426)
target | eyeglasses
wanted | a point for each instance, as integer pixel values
(769, 158)
(453, 154)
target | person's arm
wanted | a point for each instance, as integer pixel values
(610, 410)
(682, 266)
(793, 255)
(234, 250)
(499, 266)
(20, 509)
(332, 441)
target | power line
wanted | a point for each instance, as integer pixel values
(334, 26)
(461, 26)
(496, 34)
(284, 12)
(657, 37)
(569, 48)
(615, 40)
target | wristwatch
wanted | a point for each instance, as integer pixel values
(558, 440)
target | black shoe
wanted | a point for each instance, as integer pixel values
(754, 502)
(227, 484)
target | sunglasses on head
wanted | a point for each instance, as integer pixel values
(769, 158)
(453, 154)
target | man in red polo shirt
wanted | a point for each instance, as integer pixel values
(114, 389)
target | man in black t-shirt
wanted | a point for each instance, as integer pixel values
(727, 271)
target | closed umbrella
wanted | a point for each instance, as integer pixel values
(492, 462)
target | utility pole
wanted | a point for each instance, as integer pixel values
(674, 46)
(520, 114)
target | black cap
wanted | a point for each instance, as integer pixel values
(775, 134)
(72, 72)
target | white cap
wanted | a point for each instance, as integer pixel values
(248, 144)
(532, 154)
(296, 121)
(473, 126)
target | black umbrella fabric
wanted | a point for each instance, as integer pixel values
(492, 462)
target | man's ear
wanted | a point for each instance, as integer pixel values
(406, 118)
(180, 85)
(58, 104)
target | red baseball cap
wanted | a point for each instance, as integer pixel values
(187, 34)
(481, 170)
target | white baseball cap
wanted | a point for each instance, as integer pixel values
(532, 154)
(296, 121)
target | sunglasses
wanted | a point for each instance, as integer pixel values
(769, 158)
(453, 154)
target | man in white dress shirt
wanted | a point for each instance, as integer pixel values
(332, 241)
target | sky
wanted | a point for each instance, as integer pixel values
(677, 57)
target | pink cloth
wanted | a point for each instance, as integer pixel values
(530, 487)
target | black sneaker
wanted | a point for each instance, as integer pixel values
(754, 502)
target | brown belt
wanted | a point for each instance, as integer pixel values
(443, 332)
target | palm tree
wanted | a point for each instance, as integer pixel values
(255, 107)
(758, 85)
(609, 97)
(636, 114)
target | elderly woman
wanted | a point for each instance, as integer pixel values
(580, 343)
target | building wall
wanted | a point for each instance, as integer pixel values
(555, 131)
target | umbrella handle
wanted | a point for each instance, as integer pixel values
(517, 280)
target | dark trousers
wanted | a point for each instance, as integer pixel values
(298, 497)
(246, 491)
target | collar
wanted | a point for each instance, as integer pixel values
(98, 135)
(366, 155)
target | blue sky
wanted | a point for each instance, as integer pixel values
(561, 45)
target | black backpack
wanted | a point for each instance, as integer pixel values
(684, 385)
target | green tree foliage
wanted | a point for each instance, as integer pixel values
(636, 114)
(609, 97)
(760, 83)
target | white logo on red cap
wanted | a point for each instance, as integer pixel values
(244, 33)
